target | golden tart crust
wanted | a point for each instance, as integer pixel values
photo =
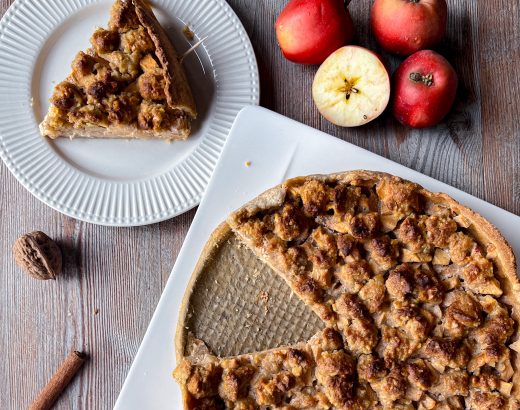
(419, 296)
(129, 84)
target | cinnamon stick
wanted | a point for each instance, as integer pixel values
(52, 391)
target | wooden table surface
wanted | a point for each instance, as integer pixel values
(114, 277)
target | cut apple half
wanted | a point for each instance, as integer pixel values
(352, 87)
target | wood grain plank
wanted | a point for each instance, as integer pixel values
(499, 32)
(120, 273)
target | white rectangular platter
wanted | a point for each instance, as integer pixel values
(263, 149)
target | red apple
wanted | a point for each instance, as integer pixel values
(425, 86)
(406, 26)
(308, 31)
(352, 87)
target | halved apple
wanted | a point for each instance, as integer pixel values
(352, 87)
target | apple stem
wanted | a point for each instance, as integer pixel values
(425, 79)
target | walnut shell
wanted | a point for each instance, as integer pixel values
(38, 255)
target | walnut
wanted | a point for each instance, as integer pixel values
(38, 255)
(346, 245)
(344, 199)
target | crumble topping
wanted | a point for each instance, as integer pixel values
(117, 81)
(410, 298)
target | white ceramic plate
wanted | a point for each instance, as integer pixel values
(118, 182)
(278, 148)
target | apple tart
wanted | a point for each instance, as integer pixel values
(130, 84)
(418, 296)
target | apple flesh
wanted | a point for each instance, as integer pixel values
(352, 87)
(425, 86)
(407, 26)
(308, 31)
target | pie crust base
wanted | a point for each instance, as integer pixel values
(489, 243)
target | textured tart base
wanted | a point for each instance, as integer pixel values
(228, 277)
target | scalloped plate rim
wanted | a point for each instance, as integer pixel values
(137, 219)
